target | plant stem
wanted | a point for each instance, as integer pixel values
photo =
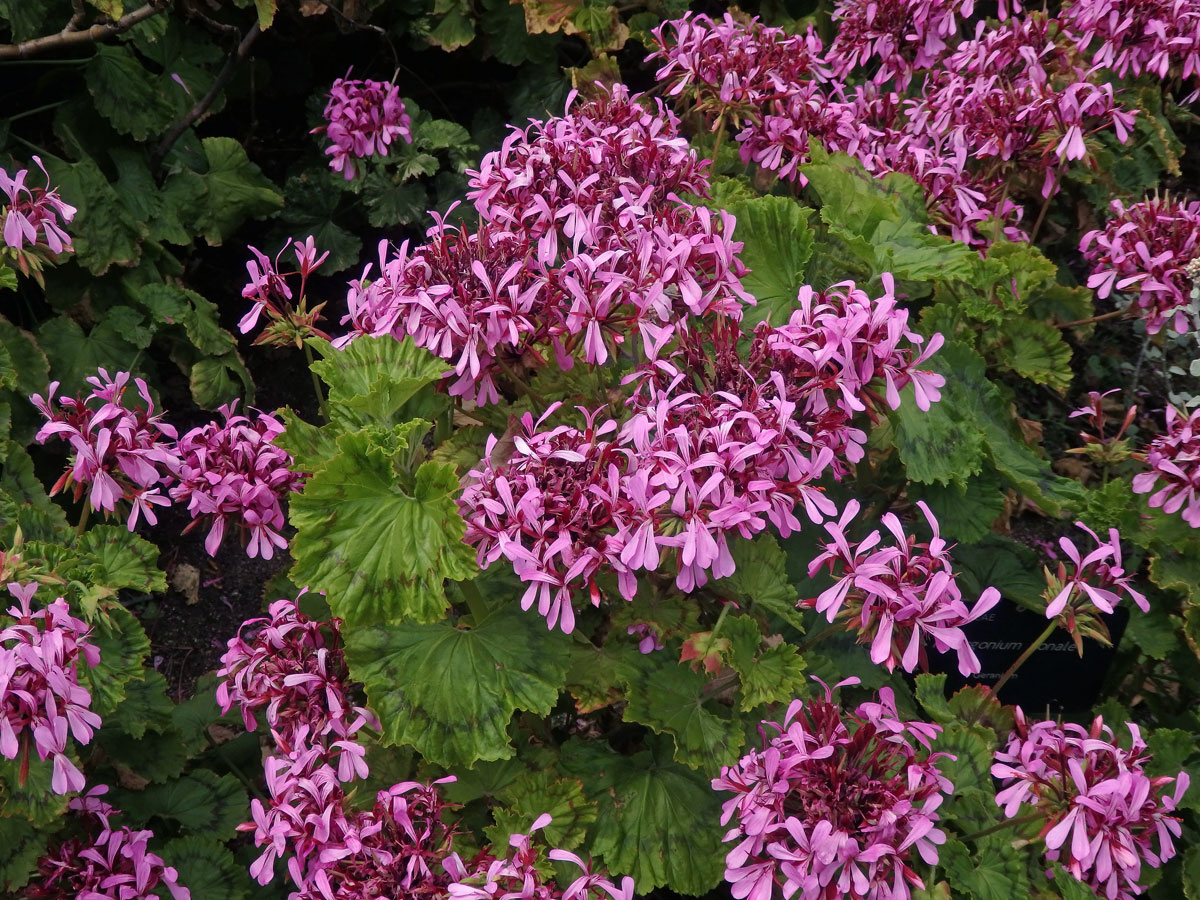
(1007, 823)
(1090, 319)
(83, 520)
(475, 602)
(820, 636)
(37, 109)
(316, 383)
(720, 619)
(720, 135)
(1037, 225)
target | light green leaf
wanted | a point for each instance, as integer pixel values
(378, 550)
(535, 793)
(761, 577)
(455, 30)
(376, 376)
(266, 12)
(778, 243)
(931, 694)
(450, 692)
(1036, 351)
(668, 696)
(8, 278)
(122, 559)
(771, 674)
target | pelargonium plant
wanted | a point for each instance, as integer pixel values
(1102, 816)
(290, 318)
(897, 597)
(123, 451)
(106, 862)
(1144, 250)
(34, 216)
(41, 699)
(232, 475)
(362, 118)
(1173, 458)
(837, 804)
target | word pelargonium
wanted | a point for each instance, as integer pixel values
(583, 243)
(41, 699)
(715, 446)
(835, 804)
(1103, 815)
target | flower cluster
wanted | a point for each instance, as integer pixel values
(993, 119)
(233, 473)
(1174, 459)
(1103, 815)
(293, 670)
(715, 446)
(897, 596)
(583, 242)
(122, 451)
(291, 321)
(34, 213)
(109, 863)
(41, 699)
(1098, 579)
(1159, 37)
(518, 876)
(362, 117)
(1145, 250)
(835, 804)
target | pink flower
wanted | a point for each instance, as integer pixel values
(363, 118)
(1103, 815)
(1174, 459)
(41, 699)
(1144, 250)
(1098, 579)
(105, 863)
(835, 804)
(34, 213)
(123, 451)
(897, 596)
(234, 474)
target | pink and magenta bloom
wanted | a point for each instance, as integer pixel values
(897, 597)
(1098, 579)
(109, 862)
(362, 118)
(1144, 250)
(123, 451)
(231, 475)
(1173, 458)
(838, 804)
(42, 703)
(1103, 816)
(270, 291)
(34, 214)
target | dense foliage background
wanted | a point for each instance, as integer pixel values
(182, 132)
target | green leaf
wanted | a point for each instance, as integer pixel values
(202, 802)
(669, 697)
(231, 190)
(1036, 351)
(75, 356)
(146, 706)
(1171, 748)
(122, 559)
(773, 673)
(931, 694)
(21, 846)
(314, 207)
(8, 278)
(450, 692)
(380, 552)
(964, 512)
(23, 500)
(157, 756)
(266, 13)
(23, 365)
(126, 94)
(111, 8)
(656, 820)
(212, 381)
(778, 243)
(123, 649)
(104, 231)
(206, 868)
(375, 377)
(34, 800)
(1004, 564)
(761, 577)
(535, 793)
(455, 30)
(389, 204)
(988, 876)
(944, 444)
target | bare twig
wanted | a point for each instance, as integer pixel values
(49, 42)
(192, 14)
(201, 107)
(364, 26)
(77, 17)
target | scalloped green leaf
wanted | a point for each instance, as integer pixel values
(121, 559)
(656, 820)
(123, 646)
(761, 577)
(376, 377)
(146, 706)
(23, 366)
(21, 845)
(202, 802)
(1036, 351)
(451, 691)
(34, 799)
(669, 698)
(774, 673)
(778, 242)
(207, 868)
(379, 550)
(535, 793)
(126, 94)
(965, 512)
(987, 876)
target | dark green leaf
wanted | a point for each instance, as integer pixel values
(231, 190)
(778, 243)
(126, 94)
(207, 869)
(105, 233)
(146, 706)
(121, 559)
(21, 845)
(202, 802)
(123, 649)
